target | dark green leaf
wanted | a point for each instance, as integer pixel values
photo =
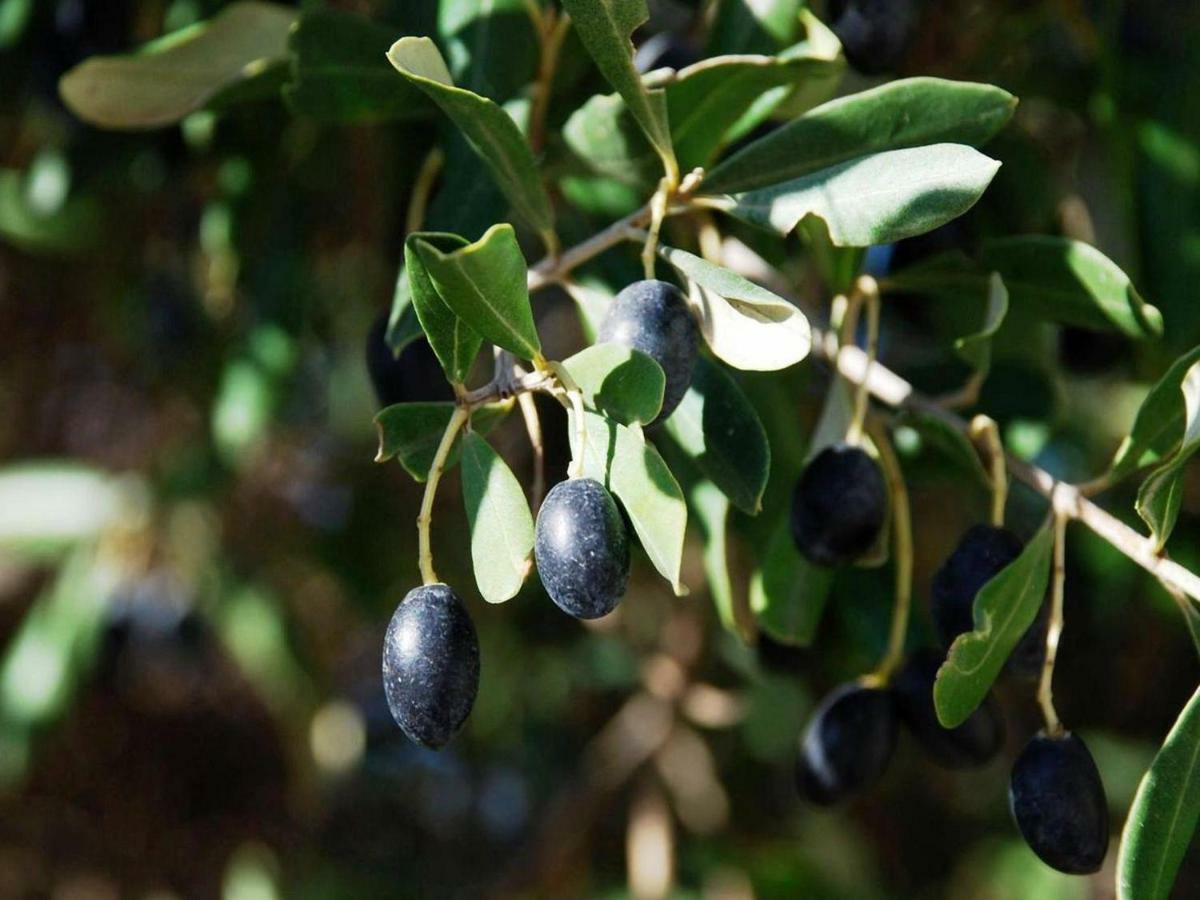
(1159, 425)
(605, 27)
(620, 458)
(787, 592)
(625, 383)
(488, 128)
(745, 325)
(411, 432)
(501, 525)
(716, 426)
(949, 441)
(750, 26)
(1005, 607)
(454, 342)
(484, 283)
(1162, 821)
(491, 45)
(1161, 494)
(182, 72)
(901, 114)
(403, 325)
(876, 199)
(340, 71)
(976, 348)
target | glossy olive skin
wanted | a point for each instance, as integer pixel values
(653, 317)
(413, 376)
(431, 664)
(1058, 802)
(875, 34)
(838, 506)
(581, 548)
(983, 551)
(973, 743)
(847, 744)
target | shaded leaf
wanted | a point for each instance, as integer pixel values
(340, 72)
(454, 342)
(604, 135)
(787, 592)
(711, 507)
(501, 524)
(605, 27)
(488, 128)
(745, 325)
(491, 45)
(876, 199)
(948, 441)
(1005, 607)
(403, 325)
(484, 283)
(1159, 425)
(411, 432)
(620, 458)
(719, 429)
(911, 112)
(753, 26)
(181, 72)
(1161, 494)
(976, 348)
(1162, 821)
(624, 383)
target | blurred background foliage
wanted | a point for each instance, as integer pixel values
(198, 555)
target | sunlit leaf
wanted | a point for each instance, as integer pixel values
(501, 525)
(1159, 425)
(625, 384)
(454, 342)
(1161, 494)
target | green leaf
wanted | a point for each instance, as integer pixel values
(753, 26)
(976, 348)
(909, 113)
(1162, 821)
(787, 592)
(411, 432)
(74, 226)
(484, 283)
(403, 325)
(1072, 282)
(610, 141)
(625, 383)
(340, 71)
(454, 342)
(747, 326)
(711, 507)
(876, 199)
(1005, 607)
(182, 72)
(719, 429)
(1161, 494)
(491, 45)
(620, 458)
(948, 441)
(604, 27)
(1160, 422)
(488, 128)
(501, 525)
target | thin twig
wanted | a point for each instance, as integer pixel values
(425, 554)
(866, 292)
(1045, 692)
(903, 549)
(552, 32)
(418, 202)
(984, 428)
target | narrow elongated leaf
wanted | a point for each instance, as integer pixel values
(340, 71)
(745, 325)
(624, 383)
(1160, 422)
(711, 507)
(876, 199)
(1161, 494)
(948, 441)
(604, 135)
(484, 284)
(976, 348)
(1005, 607)
(1162, 821)
(182, 72)
(753, 26)
(411, 432)
(1074, 282)
(620, 458)
(491, 45)
(488, 128)
(501, 525)
(787, 592)
(605, 27)
(719, 429)
(454, 342)
(908, 113)
(403, 325)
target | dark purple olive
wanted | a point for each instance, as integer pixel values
(847, 744)
(1058, 802)
(581, 549)
(839, 506)
(983, 551)
(875, 34)
(431, 664)
(653, 316)
(973, 743)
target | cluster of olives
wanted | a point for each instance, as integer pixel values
(1055, 793)
(581, 546)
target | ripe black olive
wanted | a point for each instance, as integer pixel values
(839, 506)
(847, 744)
